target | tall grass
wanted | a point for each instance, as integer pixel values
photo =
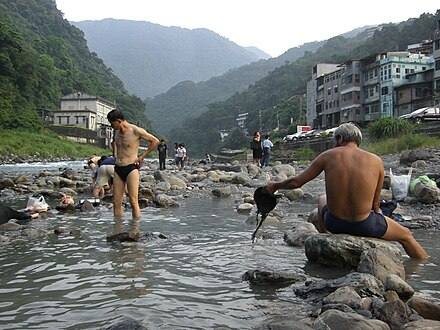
(44, 144)
(401, 143)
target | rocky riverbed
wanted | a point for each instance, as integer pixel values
(374, 296)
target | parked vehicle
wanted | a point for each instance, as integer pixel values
(425, 114)
(309, 134)
(292, 137)
(328, 132)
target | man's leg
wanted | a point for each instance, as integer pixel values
(322, 201)
(133, 192)
(118, 195)
(403, 235)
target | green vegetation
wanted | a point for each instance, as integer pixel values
(389, 128)
(393, 135)
(304, 154)
(401, 143)
(42, 58)
(44, 144)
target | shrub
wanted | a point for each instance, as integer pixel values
(389, 128)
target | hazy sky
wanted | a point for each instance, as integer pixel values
(273, 26)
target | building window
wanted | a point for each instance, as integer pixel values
(437, 65)
(59, 120)
(367, 110)
(335, 89)
(384, 90)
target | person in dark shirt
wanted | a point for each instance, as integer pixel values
(162, 152)
(7, 213)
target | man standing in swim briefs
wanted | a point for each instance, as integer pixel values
(127, 139)
(353, 182)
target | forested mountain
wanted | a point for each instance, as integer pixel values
(43, 57)
(188, 99)
(151, 58)
(284, 86)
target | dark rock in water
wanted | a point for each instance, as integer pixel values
(269, 277)
(75, 232)
(127, 324)
(87, 206)
(124, 237)
(66, 208)
(151, 236)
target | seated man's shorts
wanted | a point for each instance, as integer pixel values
(374, 226)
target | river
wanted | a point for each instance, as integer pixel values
(191, 280)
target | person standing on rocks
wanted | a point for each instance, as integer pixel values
(257, 149)
(127, 138)
(353, 182)
(162, 152)
(267, 145)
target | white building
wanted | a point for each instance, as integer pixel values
(83, 110)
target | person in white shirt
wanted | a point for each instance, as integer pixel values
(181, 156)
(267, 145)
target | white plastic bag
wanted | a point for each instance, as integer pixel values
(400, 185)
(37, 204)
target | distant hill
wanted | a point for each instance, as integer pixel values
(150, 58)
(259, 53)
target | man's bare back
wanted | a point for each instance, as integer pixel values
(353, 177)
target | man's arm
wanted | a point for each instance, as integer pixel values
(154, 142)
(376, 200)
(315, 168)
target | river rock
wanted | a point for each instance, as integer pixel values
(394, 313)
(335, 319)
(343, 295)
(343, 250)
(425, 308)
(361, 282)
(298, 235)
(270, 277)
(422, 325)
(398, 285)
(381, 264)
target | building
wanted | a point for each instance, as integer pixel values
(436, 57)
(87, 112)
(377, 86)
(83, 110)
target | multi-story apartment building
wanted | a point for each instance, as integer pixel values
(436, 56)
(317, 93)
(367, 89)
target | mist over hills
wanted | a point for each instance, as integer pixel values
(151, 58)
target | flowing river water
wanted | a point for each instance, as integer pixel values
(191, 280)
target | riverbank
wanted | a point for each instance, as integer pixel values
(20, 146)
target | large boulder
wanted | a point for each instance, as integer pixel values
(343, 250)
